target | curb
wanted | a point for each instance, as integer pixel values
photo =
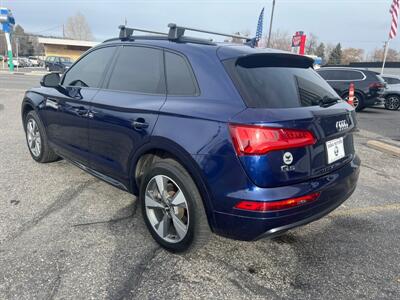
(384, 147)
(33, 73)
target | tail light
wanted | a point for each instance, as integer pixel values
(257, 140)
(376, 85)
(258, 206)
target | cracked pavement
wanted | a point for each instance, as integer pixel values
(67, 235)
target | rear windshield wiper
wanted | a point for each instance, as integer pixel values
(328, 101)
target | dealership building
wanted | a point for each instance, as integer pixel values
(65, 47)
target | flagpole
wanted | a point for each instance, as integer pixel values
(385, 55)
(270, 23)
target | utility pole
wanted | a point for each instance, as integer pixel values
(17, 50)
(63, 31)
(270, 24)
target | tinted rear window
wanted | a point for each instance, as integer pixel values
(278, 85)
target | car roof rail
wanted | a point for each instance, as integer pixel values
(126, 32)
(176, 32)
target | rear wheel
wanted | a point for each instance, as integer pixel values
(37, 140)
(172, 207)
(358, 101)
(392, 102)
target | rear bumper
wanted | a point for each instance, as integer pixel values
(335, 188)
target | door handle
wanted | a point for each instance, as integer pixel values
(140, 123)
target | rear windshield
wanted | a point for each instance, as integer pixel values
(283, 81)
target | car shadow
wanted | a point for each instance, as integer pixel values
(133, 250)
(333, 256)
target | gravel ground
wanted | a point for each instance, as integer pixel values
(66, 235)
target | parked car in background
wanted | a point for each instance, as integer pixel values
(34, 61)
(25, 62)
(392, 93)
(275, 150)
(58, 63)
(369, 86)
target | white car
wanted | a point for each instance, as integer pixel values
(34, 61)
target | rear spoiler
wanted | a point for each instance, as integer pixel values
(282, 60)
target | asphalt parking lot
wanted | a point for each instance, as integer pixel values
(66, 235)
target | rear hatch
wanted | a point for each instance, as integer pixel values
(295, 127)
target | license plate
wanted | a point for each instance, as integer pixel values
(335, 150)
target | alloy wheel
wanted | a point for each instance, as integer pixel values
(356, 101)
(33, 137)
(392, 103)
(167, 209)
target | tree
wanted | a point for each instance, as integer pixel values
(377, 55)
(281, 40)
(320, 51)
(23, 41)
(311, 44)
(335, 57)
(352, 55)
(77, 28)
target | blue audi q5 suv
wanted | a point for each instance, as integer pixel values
(243, 142)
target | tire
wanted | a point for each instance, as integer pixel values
(358, 100)
(392, 102)
(160, 212)
(36, 139)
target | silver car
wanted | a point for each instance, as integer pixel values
(392, 93)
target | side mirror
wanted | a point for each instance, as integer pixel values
(51, 80)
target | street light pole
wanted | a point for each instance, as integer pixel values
(270, 23)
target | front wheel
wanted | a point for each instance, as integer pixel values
(392, 102)
(36, 139)
(172, 207)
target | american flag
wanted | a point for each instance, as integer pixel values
(394, 11)
(260, 26)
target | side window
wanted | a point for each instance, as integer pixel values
(395, 81)
(391, 80)
(138, 69)
(339, 75)
(353, 75)
(180, 78)
(88, 71)
(325, 74)
(388, 80)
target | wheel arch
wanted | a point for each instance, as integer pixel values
(392, 94)
(159, 148)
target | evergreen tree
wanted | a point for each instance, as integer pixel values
(335, 58)
(320, 51)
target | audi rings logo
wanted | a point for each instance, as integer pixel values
(342, 125)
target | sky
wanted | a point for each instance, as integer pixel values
(355, 23)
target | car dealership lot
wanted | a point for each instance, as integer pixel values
(65, 234)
